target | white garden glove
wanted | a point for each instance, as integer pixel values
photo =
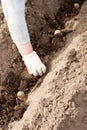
(34, 64)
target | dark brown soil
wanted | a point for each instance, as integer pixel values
(13, 75)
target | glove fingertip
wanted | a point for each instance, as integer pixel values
(40, 72)
(30, 72)
(35, 73)
(44, 68)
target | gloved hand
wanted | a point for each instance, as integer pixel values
(34, 64)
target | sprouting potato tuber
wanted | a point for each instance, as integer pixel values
(76, 6)
(58, 32)
(21, 95)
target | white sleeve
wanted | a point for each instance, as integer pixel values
(15, 17)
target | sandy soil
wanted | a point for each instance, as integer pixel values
(58, 100)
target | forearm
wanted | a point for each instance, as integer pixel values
(15, 17)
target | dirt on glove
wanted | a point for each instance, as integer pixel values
(58, 100)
